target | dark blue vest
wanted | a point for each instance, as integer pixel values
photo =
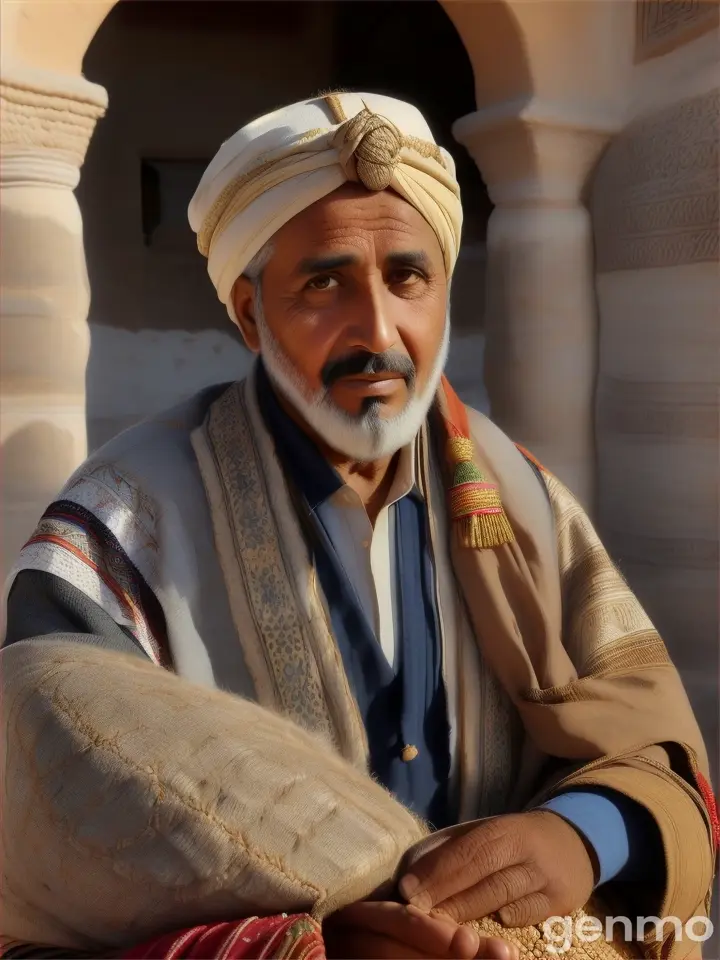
(402, 706)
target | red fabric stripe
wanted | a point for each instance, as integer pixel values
(250, 939)
(481, 512)
(275, 939)
(475, 485)
(709, 798)
(211, 941)
(232, 943)
(458, 424)
(112, 585)
(532, 459)
(167, 947)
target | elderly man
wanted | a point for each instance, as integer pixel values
(262, 646)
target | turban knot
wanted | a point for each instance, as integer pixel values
(374, 144)
(280, 164)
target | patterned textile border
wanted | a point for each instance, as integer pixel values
(119, 503)
(282, 937)
(279, 648)
(69, 530)
(664, 25)
(655, 193)
(601, 610)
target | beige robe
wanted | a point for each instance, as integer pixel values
(194, 804)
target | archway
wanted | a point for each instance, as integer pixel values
(549, 81)
(535, 138)
(199, 71)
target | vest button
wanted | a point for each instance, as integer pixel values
(409, 753)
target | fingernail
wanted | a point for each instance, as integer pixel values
(408, 885)
(420, 913)
(410, 891)
(466, 943)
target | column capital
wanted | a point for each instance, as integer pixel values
(47, 121)
(535, 152)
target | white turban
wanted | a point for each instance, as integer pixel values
(280, 164)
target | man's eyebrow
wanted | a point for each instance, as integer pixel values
(412, 258)
(312, 265)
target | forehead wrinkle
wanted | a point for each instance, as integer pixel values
(372, 221)
(345, 230)
(385, 241)
(386, 206)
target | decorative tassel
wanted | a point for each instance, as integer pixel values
(475, 504)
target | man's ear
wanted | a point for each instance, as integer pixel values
(243, 299)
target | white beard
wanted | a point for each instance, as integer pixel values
(363, 437)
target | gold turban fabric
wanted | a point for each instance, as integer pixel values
(282, 163)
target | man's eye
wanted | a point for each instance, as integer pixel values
(406, 277)
(322, 283)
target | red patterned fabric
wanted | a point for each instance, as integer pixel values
(280, 937)
(296, 937)
(708, 797)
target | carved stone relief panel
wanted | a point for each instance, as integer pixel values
(663, 25)
(655, 194)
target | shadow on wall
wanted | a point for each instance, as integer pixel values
(47, 449)
(151, 364)
(132, 375)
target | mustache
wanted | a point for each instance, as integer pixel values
(361, 361)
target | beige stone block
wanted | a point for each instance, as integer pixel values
(661, 325)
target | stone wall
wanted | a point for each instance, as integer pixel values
(655, 207)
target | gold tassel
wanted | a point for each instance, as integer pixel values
(475, 505)
(485, 530)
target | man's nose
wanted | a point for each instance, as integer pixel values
(373, 329)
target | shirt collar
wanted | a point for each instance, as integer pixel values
(314, 477)
(405, 474)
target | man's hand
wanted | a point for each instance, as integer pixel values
(392, 931)
(526, 867)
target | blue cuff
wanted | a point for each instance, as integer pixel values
(624, 836)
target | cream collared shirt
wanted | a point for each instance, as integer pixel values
(368, 556)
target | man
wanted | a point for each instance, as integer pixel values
(343, 571)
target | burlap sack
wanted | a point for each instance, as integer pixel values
(135, 802)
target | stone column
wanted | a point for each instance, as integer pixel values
(47, 121)
(540, 355)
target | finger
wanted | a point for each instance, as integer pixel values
(433, 935)
(462, 862)
(493, 948)
(465, 940)
(491, 894)
(526, 912)
(465, 944)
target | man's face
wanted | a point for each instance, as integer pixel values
(354, 298)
